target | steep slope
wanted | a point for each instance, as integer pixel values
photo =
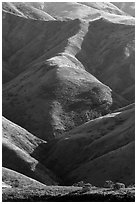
(127, 7)
(19, 137)
(54, 58)
(56, 76)
(17, 146)
(47, 38)
(99, 170)
(108, 52)
(15, 179)
(89, 151)
(85, 10)
(26, 10)
(6, 74)
(104, 7)
(46, 99)
(51, 10)
(105, 49)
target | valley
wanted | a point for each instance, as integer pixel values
(68, 93)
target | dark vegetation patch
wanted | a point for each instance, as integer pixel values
(69, 194)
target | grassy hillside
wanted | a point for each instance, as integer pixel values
(56, 98)
(127, 7)
(17, 180)
(47, 39)
(60, 62)
(100, 169)
(104, 7)
(19, 137)
(23, 188)
(108, 52)
(105, 49)
(59, 10)
(17, 147)
(26, 10)
(68, 79)
(89, 151)
(27, 190)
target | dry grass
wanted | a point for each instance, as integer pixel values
(17, 180)
(50, 89)
(17, 147)
(54, 80)
(66, 194)
(72, 10)
(83, 153)
(26, 10)
(26, 189)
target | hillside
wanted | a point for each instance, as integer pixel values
(15, 179)
(54, 102)
(83, 155)
(127, 7)
(68, 93)
(17, 187)
(66, 61)
(49, 44)
(17, 147)
(27, 10)
(112, 50)
(59, 10)
(81, 150)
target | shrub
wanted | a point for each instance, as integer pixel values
(80, 184)
(118, 186)
(131, 186)
(108, 184)
(86, 187)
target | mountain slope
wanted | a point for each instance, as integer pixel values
(47, 38)
(19, 137)
(69, 79)
(47, 109)
(17, 147)
(111, 61)
(52, 10)
(26, 10)
(88, 148)
(54, 58)
(80, 10)
(16, 179)
(99, 170)
(127, 7)
(108, 52)
(104, 7)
